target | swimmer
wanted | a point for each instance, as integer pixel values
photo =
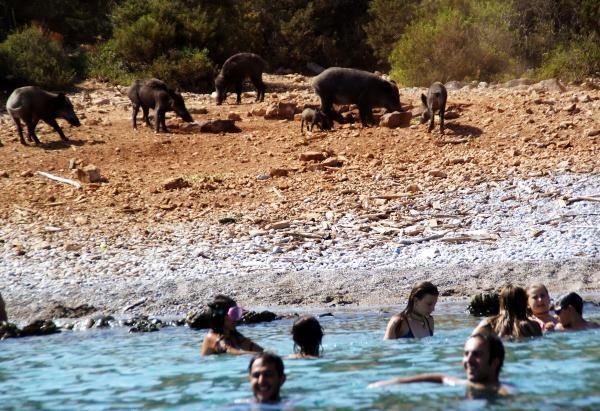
(512, 320)
(266, 373)
(483, 357)
(416, 320)
(223, 337)
(307, 334)
(539, 306)
(570, 314)
(3, 316)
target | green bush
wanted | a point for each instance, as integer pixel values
(104, 63)
(455, 45)
(36, 60)
(575, 60)
(190, 69)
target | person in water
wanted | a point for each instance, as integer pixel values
(512, 320)
(307, 334)
(266, 373)
(416, 320)
(483, 357)
(3, 315)
(223, 337)
(539, 306)
(570, 314)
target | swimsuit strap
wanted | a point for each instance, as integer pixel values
(428, 327)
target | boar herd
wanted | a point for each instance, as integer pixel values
(335, 85)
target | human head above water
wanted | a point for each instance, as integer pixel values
(307, 334)
(483, 358)
(513, 302)
(422, 299)
(570, 300)
(218, 309)
(267, 375)
(538, 299)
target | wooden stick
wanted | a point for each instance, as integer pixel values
(73, 183)
(595, 198)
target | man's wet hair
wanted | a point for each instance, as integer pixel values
(268, 357)
(572, 299)
(495, 346)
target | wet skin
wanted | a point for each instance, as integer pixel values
(265, 381)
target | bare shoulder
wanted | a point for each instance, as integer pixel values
(396, 327)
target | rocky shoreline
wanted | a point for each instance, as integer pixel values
(473, 240)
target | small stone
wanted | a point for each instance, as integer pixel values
(278, 172)
(396, 119)
(89, 174)
(27, 173)
(234, 117)
(313, 156)
(219, 126)
(332, 162)
(175, 183)
(279, 225)
(72, 247)
(438, 174)
(3, 173)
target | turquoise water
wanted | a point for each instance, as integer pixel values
(110, 369)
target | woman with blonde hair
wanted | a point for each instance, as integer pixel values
(539, 306)
(415, 321)
(512, 320)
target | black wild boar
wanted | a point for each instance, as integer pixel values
(435, 101)
(235, 70)
(338, 85)
(157, 95)
(312, 117)
(32, 104)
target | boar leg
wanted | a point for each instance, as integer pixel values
(136, 109)
(238, 91)
(260, 88)
(431, 120)
(52, 122)
(145, 111)
(160, 115)
(364, 110)
(442, 120)
(31, 132)
(20, 130)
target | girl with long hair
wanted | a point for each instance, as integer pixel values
(307, 334)
(415, 321)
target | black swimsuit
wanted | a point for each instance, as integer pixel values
(410, 333)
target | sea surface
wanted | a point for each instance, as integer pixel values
(111, 369)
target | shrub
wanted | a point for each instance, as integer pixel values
(455, 45)
(574, 60)
(35, 59)
(190, 69)
(105, 64)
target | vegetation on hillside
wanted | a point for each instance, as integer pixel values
(55, 43)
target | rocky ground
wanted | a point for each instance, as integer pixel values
(273, 217)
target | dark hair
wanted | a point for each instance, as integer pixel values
(418, 292)
(268, 357)
(307, 334)
(495, 347)
(217, 310)
(574, 300)
(512, 320)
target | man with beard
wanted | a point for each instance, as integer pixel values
(483, 357)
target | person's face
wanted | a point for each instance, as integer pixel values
(566, 315)
(476, 361)
(265, 381)
(538, 300)
(425, 305)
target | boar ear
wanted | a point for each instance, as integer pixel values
(424, 99)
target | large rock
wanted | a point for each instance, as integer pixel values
(281, 111)
(552, 85)
(313, 156)
(143, 324)
(219, 126)
(8, 330)
(396, 119)
(3, 315)
(484, 304)
(198, 320)
(39, 327)
(253, 317)
(62, 311)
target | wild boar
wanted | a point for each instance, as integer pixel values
(157, 95)
(435, 101)
(32, 104)
(312, 117)
(235, 70)
(338, 85)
